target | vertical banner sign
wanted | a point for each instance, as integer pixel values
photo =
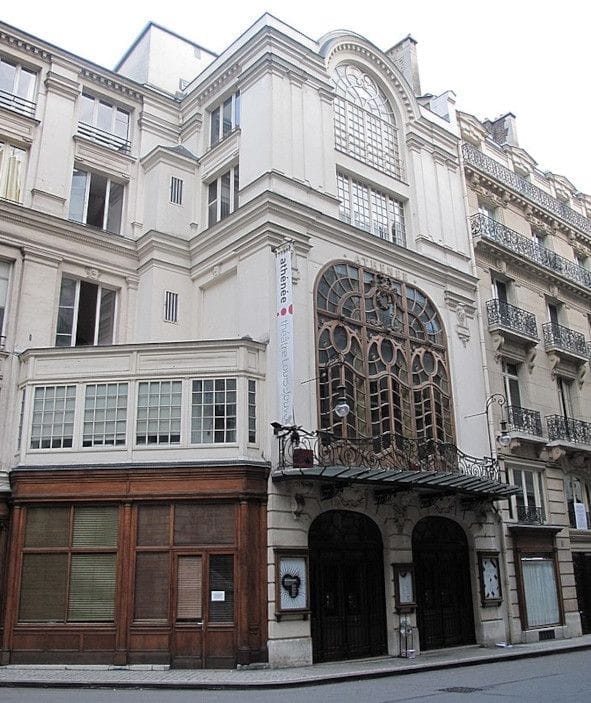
(285, 370)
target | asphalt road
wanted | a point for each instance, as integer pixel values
(559, 678)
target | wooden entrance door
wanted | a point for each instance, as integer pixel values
(582, 566)
(347, 587)
(445, 616)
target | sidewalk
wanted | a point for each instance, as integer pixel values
(59, 676)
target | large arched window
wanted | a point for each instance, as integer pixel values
(364, 124)
(383, 340)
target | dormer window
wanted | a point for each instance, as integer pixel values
(104, 123)
(17, 87)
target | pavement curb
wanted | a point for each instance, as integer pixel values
(311, 679)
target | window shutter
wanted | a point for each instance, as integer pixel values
(47, 527)
(95, 527)
(204, 524)
(151, 586)
(153, 522)
(43, 588)
(221, 580)
(189, 588)
(92, 587)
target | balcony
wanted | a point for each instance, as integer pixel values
(567, 429)
(524, 421)
(530, 515)
(527, 249)
(567, 344)
(17, 104)
(108, 139)
(475, 158)
(512, 320)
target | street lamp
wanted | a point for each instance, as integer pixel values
(342, 408)
(504, 439)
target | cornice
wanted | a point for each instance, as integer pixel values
(19, 43)
(56, 83)
(110, 84)
(222, 80)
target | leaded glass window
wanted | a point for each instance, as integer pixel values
(390, 340)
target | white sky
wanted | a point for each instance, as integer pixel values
(528, 57)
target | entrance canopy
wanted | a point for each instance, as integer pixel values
(387, 462)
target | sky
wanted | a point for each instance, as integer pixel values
(528, 57)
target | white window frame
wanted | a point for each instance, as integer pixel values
(511, 383)
(164, 416)
(218, 128)
(83, 206)
(5, 278)
(537, 485)
(104, 418)
(13, 162)
(75, 314)
(55, 420)
(212, 420)
(215, 204)
(111, 137)
(17, 98)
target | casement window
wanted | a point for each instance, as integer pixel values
(511, 383)
(565, 401)
(364, 123)
(159, 412)
(69, 564)
(52, 426)
(222, 196)
(17, 87)
(104, 123)
(176, 190)
(578, 500)
(213, 411)
(529, 504)
(371, 210)
(538, 575)
(252, 411)
(500, 290)
(487, 210)
(539, 238)
(86, 314)
(105, 415)
(177, 573)
(171, 306)
(4, 280)
(96, 200)
(225, 118)
(12, 172)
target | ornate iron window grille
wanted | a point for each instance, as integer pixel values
(511, 317)
(302, 449)
(490, 167)
(559, 337)
(486, 227)
(569, 429)
(530, 515)
(525, 420)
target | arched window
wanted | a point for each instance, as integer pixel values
(364, 124)
(383, 340)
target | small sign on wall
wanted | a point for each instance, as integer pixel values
(218, 596)
(291, 583)
(404, 586)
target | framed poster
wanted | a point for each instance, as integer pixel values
(489, 574)
(291, 582)
(404, 586)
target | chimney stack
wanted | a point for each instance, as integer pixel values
(404, 56)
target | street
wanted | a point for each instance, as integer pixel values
(560, 677)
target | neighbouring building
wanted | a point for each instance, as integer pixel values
(532, 242)
(243, 414)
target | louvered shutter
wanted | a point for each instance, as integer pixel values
(43, 588)
(92, 587)
(221, 581)
(189, 588)
(152, 576)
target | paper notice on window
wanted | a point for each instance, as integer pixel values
(218, 596)
(581, 517)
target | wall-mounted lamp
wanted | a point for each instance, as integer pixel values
(342, 408)
(504, 439)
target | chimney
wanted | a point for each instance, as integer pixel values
(404, 56)
(503, 130)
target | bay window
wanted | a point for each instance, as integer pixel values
(86, 314)
(52, 426)
(159, 412)
(96, 200)
(213, 418)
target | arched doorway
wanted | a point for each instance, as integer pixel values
(347, 587)
(445, 617)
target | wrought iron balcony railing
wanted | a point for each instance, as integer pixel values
(108, 139)
(16, 103)
(569, 429)
(300, 449)
(565, 339)
(511, 317)
(490, 167)
(525, 420)
(492, 230)
(530, 515)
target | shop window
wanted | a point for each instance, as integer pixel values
(86, 314)
(12, 172)
(52, 426)
(371, 210)
(221, 588)
(17, 87)
(222, 196)
(104, 123)
(105, 415)
(540, 590)
(213, 411)
(96, 200)
(159, 412)
(225, 118)
(69, 564)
